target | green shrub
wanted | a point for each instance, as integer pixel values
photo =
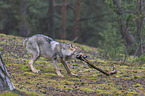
(112, 44)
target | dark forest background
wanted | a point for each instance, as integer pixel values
(116, 26)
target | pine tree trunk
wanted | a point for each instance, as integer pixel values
(140, 21)
(24, 30)
(5, 82)
(63, 12)
(77, 17)
(127, 35)
(51, 16)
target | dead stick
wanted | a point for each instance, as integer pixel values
(82, 58)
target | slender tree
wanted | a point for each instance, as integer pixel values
(63, 12)
(140, 21)
(5, 82)
(24, 31)
(126, 34)
(51, 15)
(77, 17)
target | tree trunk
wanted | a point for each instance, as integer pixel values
(5, 82)
(24, 31)
(77, 17)
(140, 8)
(51, 16)
(129, 39)
(63, 12)
(127, 35)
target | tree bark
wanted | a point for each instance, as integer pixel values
(140, 8)
(63, 12)
(5, 82)
(51, 16)
(129, 39)
(127, 35)
(24, 31)
(77, 17)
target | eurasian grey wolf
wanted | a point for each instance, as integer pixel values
(41, 45)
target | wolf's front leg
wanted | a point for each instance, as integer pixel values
(57, 69)
(67, 68)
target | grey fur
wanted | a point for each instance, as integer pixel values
(41, 45)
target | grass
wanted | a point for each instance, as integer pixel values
(129, 80)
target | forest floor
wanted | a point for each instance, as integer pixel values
(130, 79)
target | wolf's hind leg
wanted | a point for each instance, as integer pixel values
(57, 69)
(31, 62)
(34, 50)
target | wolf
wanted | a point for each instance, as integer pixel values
(43, 46)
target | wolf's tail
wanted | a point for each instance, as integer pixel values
(24, 42)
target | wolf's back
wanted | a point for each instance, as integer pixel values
(37, 38)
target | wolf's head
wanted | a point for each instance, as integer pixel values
(67, 50)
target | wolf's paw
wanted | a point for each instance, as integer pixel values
(36, 71)
(72, 74)
(60, 75)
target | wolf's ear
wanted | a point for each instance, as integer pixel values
(71, 46)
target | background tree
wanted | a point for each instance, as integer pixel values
(77, 17)
(140, 22)
(63, 12)
(24, 31)
(51, 15)
(123, 27)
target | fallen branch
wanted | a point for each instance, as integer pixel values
(84, 58)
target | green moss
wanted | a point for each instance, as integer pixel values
(74, 79)
(119, 75)
(2, 35)
(64, 87)
(3, 42)
(93, 78)
(131, 93)
(28, 73)
(66, 82)
(41, 61)
(101, 61)
(50, 74)
(105, 92)
(136, 77)
(87, 70)
(17, 57)
(24, 68)
(9, 94)
(86, 89)
(137, 85)
(75, 64)
(31, 93)
(94, 75)
(1, 49)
